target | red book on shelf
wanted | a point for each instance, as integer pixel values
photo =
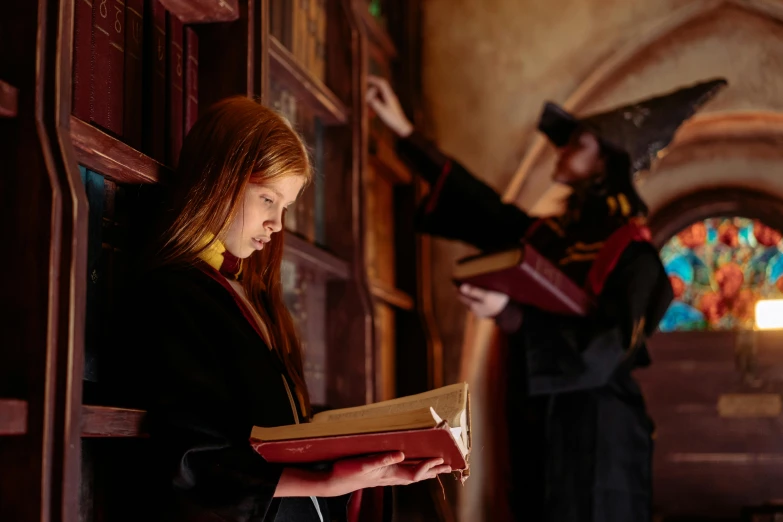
(108, 64)
(434, 424)
(82, 57)
(191, 78)
(176, 84)
(155, 81)
(134, 50)
(527, 277)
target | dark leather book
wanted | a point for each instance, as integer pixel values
(155, 64)
(191, 78)
(134, 69)
(82, 57)
(434, 424)
(175, 89)
(526, 277)
(108, 64)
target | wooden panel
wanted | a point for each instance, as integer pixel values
(386, 349)
(103, 421)
(8, 100)
(309, 90)
(378, 35)
(114, 159)
(318, 258)
(706, 464)
(13, 417)
(391, 296)
(201, 11)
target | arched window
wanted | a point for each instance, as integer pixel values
(719, 268)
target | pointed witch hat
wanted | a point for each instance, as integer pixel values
(642, 129)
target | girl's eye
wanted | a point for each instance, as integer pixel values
(267, 200)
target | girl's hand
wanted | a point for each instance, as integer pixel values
(483, 303)
(349, 475)
(381, 470)
(384, 102)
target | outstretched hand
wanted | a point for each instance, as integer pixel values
(384, 102)
(483, 303)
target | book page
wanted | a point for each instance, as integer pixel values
(449, 402)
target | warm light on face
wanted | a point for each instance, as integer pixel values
(769, 314)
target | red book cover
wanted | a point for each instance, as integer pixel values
(526, 277)
(176, 84)
(419, 444)
(191, 78)
(82, 57)
(155, 81)
(108, 64)
(134, 49)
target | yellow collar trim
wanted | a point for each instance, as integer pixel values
(213, 253)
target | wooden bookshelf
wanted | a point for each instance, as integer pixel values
(116, 160)
(103, 421)
(13, 417)
(308, 89)
(237, 56)
(201, 11)
(8, 100)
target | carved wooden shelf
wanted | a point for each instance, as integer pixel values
(301, 250)
(13, 417)
(307, 88)
(203, 11)
(105, 421)
(8, 100)
(116, 160)
(391, 295)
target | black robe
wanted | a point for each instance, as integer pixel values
(207, 379)
(579, 437)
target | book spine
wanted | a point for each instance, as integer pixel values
(555, 281)
(320, 47)
(134, 69)
(155, 90)
(82, 51)
(191, 79)
(175, 90)
(108, 62)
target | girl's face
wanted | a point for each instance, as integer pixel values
(579, 160)
(261, 214)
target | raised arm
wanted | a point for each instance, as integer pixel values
(459, 205)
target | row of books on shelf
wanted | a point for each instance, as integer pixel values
(135, 74)
(300, 25)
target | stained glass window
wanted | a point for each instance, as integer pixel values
(719, 268)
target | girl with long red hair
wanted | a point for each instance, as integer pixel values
(220, 350)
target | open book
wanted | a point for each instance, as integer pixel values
(526, 277)
(434, 424)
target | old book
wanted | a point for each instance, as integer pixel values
(434, 424)
(175, 89)
(527, 277)
(108, 65)
(156, 65)
(82, 56)
(191, 78)
(134, 69)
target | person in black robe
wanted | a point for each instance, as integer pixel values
(578, 438)
(211, 350)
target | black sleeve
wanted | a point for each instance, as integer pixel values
(198, 428)
(566, 353)
(460, 206)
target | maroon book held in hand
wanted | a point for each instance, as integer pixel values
(526, 277)
(434, 424)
